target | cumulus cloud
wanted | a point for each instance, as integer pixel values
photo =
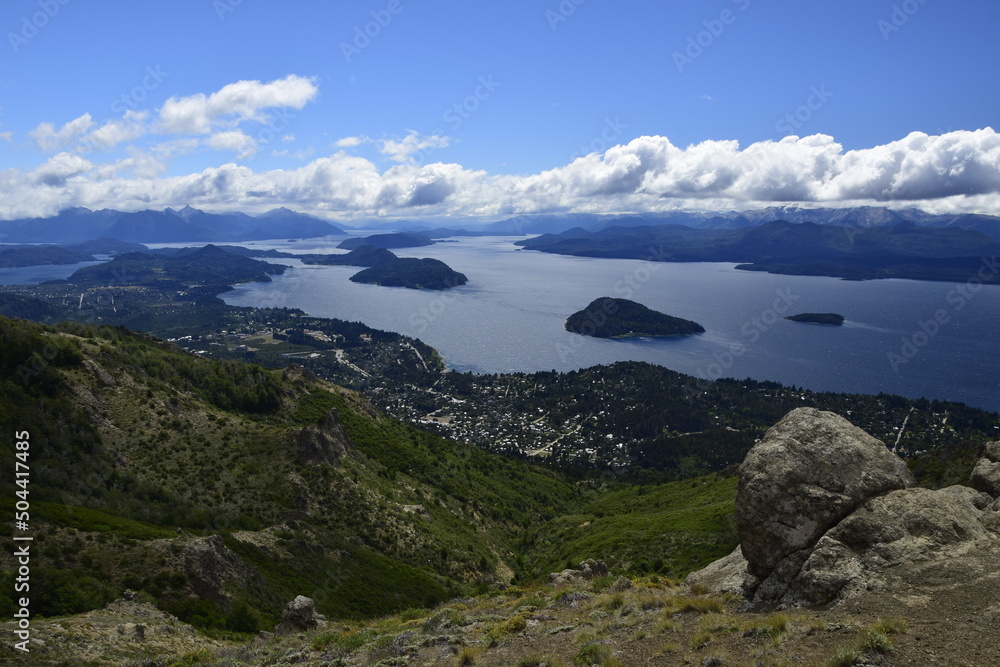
(233, 140)
(115, 132)
(957, 171)
(60, 168)
(49, 139)
(402, 150)
(236, 102)
(7, 136)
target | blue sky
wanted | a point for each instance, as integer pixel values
(403, 108)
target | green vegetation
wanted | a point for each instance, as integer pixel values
(673, 528)
(167, 452)
(621, 318)
(873, 641)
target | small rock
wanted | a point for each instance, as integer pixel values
(621, 584)
(136, 631)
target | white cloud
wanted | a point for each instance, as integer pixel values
(234, 140)
(302, 154)
(49, 139)
(954, 172)
(350, 142)
(139, 164)
(402, 150)
(7, 136)
(236, 102)
(114, 132)
(58, 169)
(288, 138)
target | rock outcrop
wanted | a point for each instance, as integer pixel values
(210, 567)
(825, 512)
(324, 442)
(986, 476)
(589, 569)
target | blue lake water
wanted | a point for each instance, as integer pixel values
(33, 275)
(918, 339)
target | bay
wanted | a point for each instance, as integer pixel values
(918, 339)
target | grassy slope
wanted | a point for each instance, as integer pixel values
(672, 528)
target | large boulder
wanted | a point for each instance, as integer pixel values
(300, 615)
(986, 475)
(810, 471)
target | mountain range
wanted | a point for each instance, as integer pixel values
(76, 225)
(863, 217)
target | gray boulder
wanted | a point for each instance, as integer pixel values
(300, 615)
(986, 475)
(810, 471)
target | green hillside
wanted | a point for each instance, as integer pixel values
(188, 479)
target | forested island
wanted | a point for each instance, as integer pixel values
(620, 318)
(832, 319)
(412, 273)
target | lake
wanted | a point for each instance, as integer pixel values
(918, 339)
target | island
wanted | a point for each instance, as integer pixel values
(620, 318)
(832, 319)
(412, 273)
(388, 241)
